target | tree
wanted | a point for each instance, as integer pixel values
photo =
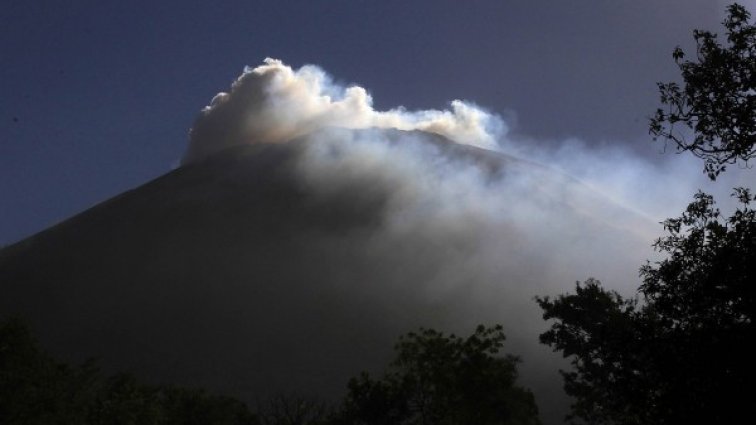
(598, 330)
(680, 355)
(37, 389)
(718, 99)
(439, 379)
(293, 409)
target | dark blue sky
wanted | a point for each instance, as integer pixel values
(96, 97)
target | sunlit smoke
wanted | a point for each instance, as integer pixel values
(466, 232)
(275, 103)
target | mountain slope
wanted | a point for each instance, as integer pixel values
(293, 266)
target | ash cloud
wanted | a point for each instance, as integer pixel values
(274, 103)
(560, 199)
(306, 231)
(464, 232)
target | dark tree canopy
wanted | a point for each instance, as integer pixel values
(679, 354)
(598, 330)
(708, 279)
(717, 102)
(37, 389)
(293, 409)
(443, 380)
(435, 380)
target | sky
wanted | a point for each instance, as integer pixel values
(98, 96)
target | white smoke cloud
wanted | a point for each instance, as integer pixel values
(275, 103)
(495, 226)
(477, 242)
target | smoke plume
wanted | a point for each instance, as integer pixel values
(464, 232)
(274, 103)
(305, 231)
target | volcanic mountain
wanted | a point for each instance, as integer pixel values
(277, 267)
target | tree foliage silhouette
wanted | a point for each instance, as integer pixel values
(717, 101)
(293, 409)
(678, 352)
(443, 379)
(599, 330)
(435, 379)
(37, 389)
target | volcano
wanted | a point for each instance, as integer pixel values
(279, 267)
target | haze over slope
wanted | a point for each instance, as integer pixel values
(305, 231)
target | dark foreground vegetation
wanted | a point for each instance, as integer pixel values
(434, 379)
(678, 352)
(35, 389)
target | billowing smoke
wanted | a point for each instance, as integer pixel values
(427, 183)
(274, 103)
(507, 224)
(305, 231)
(474, 229)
